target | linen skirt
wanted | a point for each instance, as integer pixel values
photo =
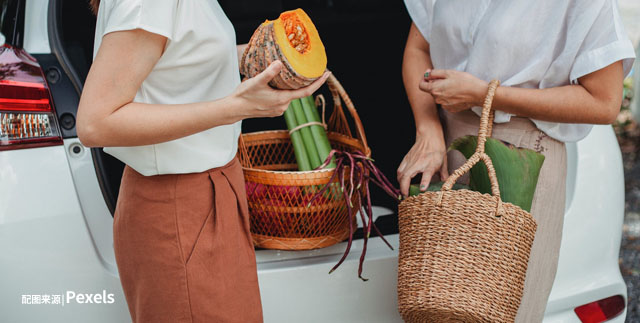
(183, 247)
(548, 202)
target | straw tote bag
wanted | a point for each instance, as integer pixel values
(463, 255)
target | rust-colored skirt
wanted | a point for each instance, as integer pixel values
(548, 200)
(183, 247)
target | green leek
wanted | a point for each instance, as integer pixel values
(296, 140)
(317, 131)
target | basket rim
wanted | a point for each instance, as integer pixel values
(464, 190)
(313, 171)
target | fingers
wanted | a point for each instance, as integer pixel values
(444, 170)
(434, 86)
(311, 88)
(269, 73)
(436, 74)
(405, 181)
(426, 179)
(426, 86)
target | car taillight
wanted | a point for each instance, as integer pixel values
(602, 310)
(27, 118)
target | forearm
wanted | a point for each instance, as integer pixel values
(415, 62)
(595, 99)
(568, 104)
(136, 124)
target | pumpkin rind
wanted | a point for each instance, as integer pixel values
(267, 44)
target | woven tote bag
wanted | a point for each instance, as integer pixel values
(463, 255)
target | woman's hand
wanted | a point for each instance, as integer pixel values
(258, 99)
(427, 156)
(455, 91)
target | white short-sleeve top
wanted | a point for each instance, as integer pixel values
(525, 43)
(199, 63)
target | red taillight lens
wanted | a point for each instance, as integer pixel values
(27, 118)
(602, 310)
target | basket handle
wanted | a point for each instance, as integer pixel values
(486, 127)
(338, 121)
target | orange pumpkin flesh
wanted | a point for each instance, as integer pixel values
(292, 39)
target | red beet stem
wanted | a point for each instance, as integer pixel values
(326, 186)
(352, 167)
(382, 178)
(346, 252)
(328, 160)
(365, 238)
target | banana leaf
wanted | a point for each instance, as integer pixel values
(517, 169)
(433, 187)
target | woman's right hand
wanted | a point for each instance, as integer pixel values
(259, 100)
(427, 156)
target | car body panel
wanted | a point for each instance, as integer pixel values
(56, 236)
(36, 39)
(45, 248)
(588, 263)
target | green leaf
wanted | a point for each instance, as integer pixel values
(434, 187)
(517, 169)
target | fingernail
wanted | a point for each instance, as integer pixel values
(423, 187)
(426, 75)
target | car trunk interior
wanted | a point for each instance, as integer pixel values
(364, 40)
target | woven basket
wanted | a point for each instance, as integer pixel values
(279, 195)
(463, 255)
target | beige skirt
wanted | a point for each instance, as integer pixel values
(548, 201)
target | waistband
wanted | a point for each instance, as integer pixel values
(472, 119)
(235, 162)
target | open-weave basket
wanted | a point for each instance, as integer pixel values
(463, 255)
(278, 194)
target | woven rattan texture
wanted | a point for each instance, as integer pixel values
(279, 196)
(463, 255)
(281, 217)
(459, 262)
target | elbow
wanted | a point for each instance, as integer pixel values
(605, 111)
(611, 109)
(87, 134)
(611, 117)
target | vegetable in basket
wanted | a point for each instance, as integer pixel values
(517, 169)
(292, 39)
(359, 171)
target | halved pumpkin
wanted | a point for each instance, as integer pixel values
(292, 39)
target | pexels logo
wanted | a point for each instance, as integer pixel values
(82, 298)
(71, 297)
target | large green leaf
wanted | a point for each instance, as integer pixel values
(414, 189)
(517, 169)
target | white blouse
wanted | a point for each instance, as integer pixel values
(199, 63)
(525, 43)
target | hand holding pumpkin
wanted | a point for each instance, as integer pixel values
(258, 99)
(454, 90)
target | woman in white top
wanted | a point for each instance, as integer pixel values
(164, 96)
(561, 66)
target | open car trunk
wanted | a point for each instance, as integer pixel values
(364, 42)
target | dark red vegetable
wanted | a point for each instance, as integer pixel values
(361, 170)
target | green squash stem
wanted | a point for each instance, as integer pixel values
(296, 140)
(305, 132)
(318, 132)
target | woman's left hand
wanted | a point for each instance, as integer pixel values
(454, 90)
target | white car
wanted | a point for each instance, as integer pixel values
(57, 198)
